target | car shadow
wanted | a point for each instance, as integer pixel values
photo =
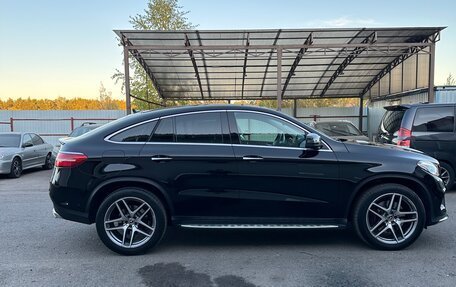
(210, 238)
(24, 173)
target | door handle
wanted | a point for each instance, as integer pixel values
(252, 157)
(161, 158)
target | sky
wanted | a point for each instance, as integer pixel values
(52, 48)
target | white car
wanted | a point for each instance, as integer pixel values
(19, 151)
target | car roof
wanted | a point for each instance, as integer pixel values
(409, 106)
(13, 133)
(198, 108)
(337, 122)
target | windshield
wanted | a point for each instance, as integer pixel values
(8, 140)
(335, 129)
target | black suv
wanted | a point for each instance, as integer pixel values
(227, 166)
(429, 128)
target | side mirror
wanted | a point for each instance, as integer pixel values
(313, 141)
(28, 144)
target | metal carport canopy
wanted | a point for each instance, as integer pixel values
(271, 64)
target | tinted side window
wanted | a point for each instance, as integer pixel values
(199, 128)
(36, 139)
(27, 139)
(164, 131)
(139, 133)
(435, 119)
(259, 129)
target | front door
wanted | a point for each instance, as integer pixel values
(277, 177)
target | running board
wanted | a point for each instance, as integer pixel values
(261, 226)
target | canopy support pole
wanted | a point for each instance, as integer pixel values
(361, 109)
(279, 79)
(127, 81)
(431, 94)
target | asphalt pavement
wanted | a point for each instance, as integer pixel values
(39, 250)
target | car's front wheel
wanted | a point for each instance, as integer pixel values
(389, 216)
(16, 168)
(130, 221)
(447, 175)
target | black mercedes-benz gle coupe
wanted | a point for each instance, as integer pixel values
(228, 166)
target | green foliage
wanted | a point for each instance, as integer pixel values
(450, 81)
(159, 15)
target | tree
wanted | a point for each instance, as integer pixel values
(105, 98)
(450, 81)
(159, 15)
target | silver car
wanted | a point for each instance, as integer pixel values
(19, 151)
(342, 130)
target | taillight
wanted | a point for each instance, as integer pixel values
(403, 137)
(70, 159)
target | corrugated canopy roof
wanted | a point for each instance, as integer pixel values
(242, 64)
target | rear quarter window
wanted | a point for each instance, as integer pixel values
(140, 133)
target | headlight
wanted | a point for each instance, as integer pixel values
(429, 167)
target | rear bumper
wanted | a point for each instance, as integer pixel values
(68, 214)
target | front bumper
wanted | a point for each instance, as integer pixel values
(5, 166)
(438, 205)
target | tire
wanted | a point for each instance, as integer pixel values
(47, 162)
(148, 220)
(447, 175)
(381, 225)
(16, 168)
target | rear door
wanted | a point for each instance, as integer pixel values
(192, 157)
(433, 132)
(39, 149)
(28, 154)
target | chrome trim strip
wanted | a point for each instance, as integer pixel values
(107, 138)
(55, 214)
(443, 219)
(281, 147)
(259, 226)
(160, 158)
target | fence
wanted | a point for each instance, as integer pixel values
(52, 125)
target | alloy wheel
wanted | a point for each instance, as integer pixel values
(392, 218)
(130, 222)
(17, 169)
(445, 175)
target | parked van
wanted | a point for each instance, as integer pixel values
(429, 128)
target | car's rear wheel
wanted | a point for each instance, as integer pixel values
(47, 162)
(130, 221)
(16, 168)
(447, 175)
(389, 216)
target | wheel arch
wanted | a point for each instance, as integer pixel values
(105, 188)
(415, 185)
